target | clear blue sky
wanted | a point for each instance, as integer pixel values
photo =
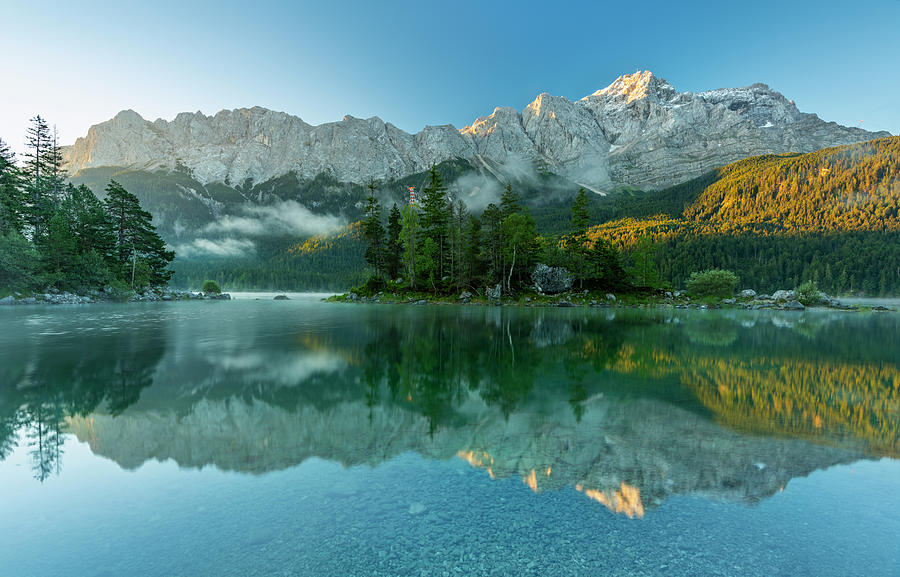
(417, 62)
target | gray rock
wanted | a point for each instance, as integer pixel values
(783, 295)
(565, 303)
(281, 298)
(353, 297)
(793, 306)
(729, 301)
(8, 300)
(747, 294)
(465, 295)
(495, 293)
(551, 280)
(611, 297)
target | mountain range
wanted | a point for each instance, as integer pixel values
(237, 194)
(637, 132)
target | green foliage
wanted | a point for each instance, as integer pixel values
(808, 293)
(136, 239)
(409, 238)
(20, 262)
(712, 283)
(211, 287)
(52, 234)
(394, 248)
(373, 234)
(644, 271)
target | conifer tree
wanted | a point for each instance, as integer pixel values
(37, 170)
(492, 221)
(473, 263)
(373, 233)
(409, 238)
(394, 248)
(136, 240)
(12, 198)
(576, 240)
(509, 202)
(435, 220)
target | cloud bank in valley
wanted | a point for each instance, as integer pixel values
(232, 235)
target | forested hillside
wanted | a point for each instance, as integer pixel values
(832, 216)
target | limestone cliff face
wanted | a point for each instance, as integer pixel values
(638, 131)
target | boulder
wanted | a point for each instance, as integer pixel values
(7, 301)
(495, 293)
(465, 295)
(611, 297)
(783, 295)
(281, 298)
(550, 279)
(747, 294)
(793, 306)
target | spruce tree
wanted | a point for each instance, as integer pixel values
(576, 240)
(492, 221)
(373, 233)
(409, 238)
(37, 171)
(394, 248)
(12, 198)
(473, 262)
(435, 221)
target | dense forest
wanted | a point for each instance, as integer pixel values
(58, 235)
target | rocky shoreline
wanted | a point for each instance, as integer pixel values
(55, 297)
(748, 299)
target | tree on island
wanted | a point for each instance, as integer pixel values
(373, 233)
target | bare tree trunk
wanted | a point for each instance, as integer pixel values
(512, 266)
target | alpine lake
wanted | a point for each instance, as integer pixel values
(262, 437)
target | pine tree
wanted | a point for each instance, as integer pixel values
(409, 238)
(136, 239)
(492, 221)
(581, 216)
(373, 233)
(434, 222)
(56, 175)
(37, 171)
(644, 271)
(394, 248)
(576, 239)
(473, 263)
(520, 244)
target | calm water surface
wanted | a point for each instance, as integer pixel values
(256, 437)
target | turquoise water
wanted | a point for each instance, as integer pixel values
(304, 438)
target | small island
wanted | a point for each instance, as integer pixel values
(434, 251)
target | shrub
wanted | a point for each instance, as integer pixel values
(370, 288)
(211, 287)
(712, 283)
(808, 293)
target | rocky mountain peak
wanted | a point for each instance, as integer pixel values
(641, 84)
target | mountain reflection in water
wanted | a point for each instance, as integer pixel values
(628, 407)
